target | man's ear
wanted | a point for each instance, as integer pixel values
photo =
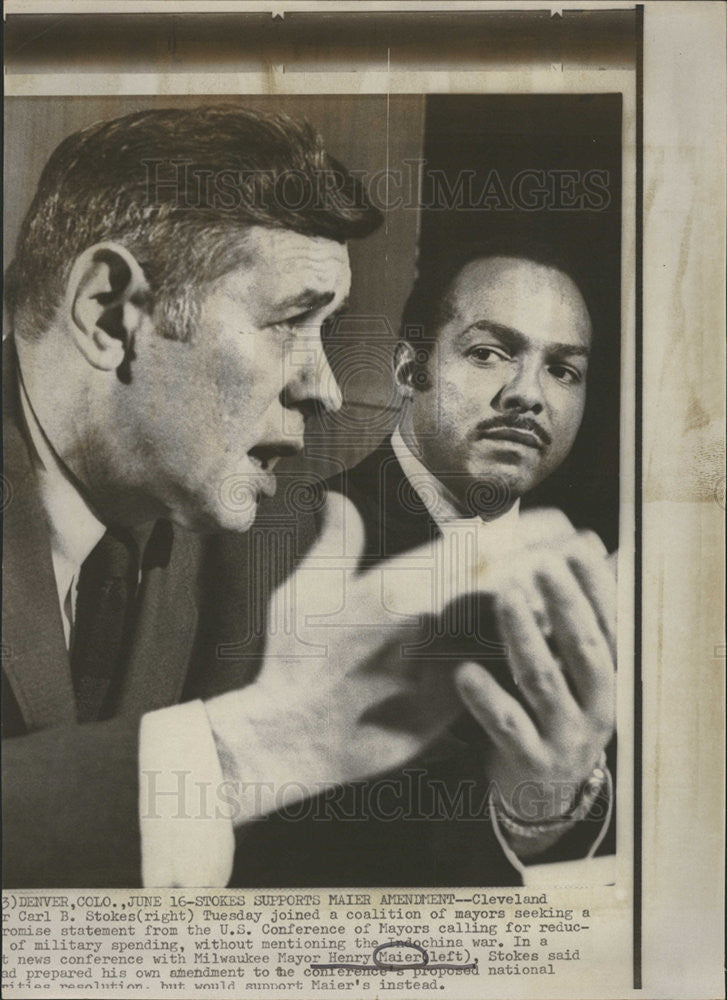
(107, 300)
(404, 368)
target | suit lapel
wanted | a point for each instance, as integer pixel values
(35, 659)
(395, 516)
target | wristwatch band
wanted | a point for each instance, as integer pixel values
(599, 778)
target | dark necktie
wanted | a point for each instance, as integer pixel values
(106, 591)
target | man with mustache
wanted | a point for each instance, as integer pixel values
(491, 370)
(494, 390)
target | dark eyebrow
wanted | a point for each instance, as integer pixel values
(514, 337)
(307, 300)
(574, 350)
(505, 332)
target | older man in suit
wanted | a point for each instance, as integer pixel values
(167, 298)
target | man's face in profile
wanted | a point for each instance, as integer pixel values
(213, 415)
(507, 378)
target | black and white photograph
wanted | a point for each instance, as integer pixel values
(324, 494)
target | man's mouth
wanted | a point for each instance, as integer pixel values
(264, 458)
(520, 429)
(527, 438)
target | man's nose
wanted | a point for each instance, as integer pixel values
(523, 390)
(310, 384)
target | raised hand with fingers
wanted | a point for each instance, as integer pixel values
(555, 610)
(337, 698)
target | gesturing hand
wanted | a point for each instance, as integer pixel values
(555, 607)
(337, 699)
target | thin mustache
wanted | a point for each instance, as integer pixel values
(515, 423)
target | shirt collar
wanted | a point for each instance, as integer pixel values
(435, 496)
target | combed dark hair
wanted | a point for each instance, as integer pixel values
(428, 307)
(177, 188)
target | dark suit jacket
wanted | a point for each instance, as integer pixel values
(70, 792)
(396, 520)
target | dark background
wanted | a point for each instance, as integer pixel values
(579, 133)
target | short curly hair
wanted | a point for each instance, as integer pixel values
(178, 188)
